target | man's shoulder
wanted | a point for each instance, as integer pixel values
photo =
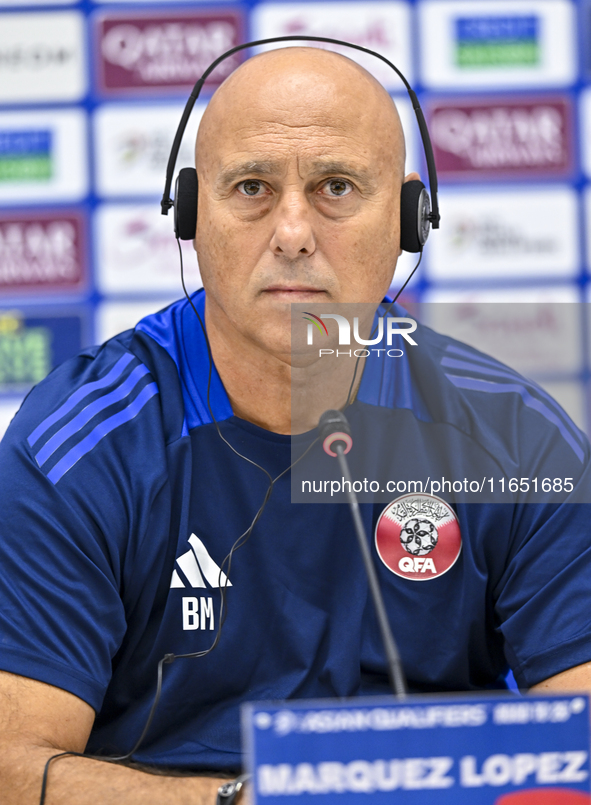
(486, 393)
(179, 331)
(100, 401)
(442, 380)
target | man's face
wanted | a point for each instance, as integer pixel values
(299, 192)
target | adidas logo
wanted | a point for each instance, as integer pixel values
(196, 567)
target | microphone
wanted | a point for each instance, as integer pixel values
(335, 432)
(334, 427)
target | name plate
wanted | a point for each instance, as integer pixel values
(484, 750)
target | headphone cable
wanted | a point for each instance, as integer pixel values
(226, 563)
(388, 309)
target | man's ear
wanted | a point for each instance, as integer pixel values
(412, 177)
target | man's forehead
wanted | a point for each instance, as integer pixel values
(304, 133)
(285, 66)
(276, 114)
(299, 100)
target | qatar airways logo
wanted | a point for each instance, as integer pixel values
(395, 326)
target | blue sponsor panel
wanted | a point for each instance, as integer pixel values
(43, 156)
(25, 154)
(585, 38)
(33, 341)
(497, 44)
(499, 40)
(493, 750)
(585, 118)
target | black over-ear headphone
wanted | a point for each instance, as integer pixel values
(416, 214)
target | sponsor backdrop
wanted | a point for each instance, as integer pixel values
(90, 96)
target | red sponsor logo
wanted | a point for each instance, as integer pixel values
(42, 252)
(167, 51)
(418, 537)
(494, 139)
(374, 35)
(550, 796)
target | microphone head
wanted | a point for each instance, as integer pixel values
(332, 421)
(334, 427)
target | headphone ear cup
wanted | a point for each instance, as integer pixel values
(415, 206)
(185, 204)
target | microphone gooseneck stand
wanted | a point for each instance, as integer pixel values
(335, 433)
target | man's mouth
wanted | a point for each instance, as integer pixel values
(293, 291)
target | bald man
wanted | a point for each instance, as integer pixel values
(121, 501)
(299, 201)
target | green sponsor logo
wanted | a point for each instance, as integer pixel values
(31, 169)
(497, 41)
(26, 156)
(498, 54)
(25, 353)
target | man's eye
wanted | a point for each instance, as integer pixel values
(251, 187)
(337, 187)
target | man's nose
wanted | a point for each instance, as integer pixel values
(293, 234)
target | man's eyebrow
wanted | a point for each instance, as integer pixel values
(339, 168)
(266, 167)
(345, 169)
(253, 168)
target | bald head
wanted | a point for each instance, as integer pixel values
(300, 159)
(299, 88)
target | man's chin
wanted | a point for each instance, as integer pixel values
(302, 360)
(290, 355)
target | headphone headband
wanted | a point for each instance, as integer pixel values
(166, 203)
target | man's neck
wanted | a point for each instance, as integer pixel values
(266, 390)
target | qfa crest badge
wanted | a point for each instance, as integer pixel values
(418, 537)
